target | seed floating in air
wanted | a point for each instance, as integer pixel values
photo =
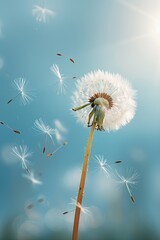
(7, 126)
(70, 59)
(51, 154)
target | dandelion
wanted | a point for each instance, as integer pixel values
(61, 85)
(62, 145)
(129, 182)
(7, 126)
(21, 84)
(103, 165)
(105, 102)
(44, 129)
(32, 178)
(42, 14)
(22, 153)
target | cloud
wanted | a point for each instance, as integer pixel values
(72, 177)
(7, 155)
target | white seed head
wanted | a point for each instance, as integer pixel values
(110, 94)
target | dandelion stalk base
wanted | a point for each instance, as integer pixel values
(82, 184)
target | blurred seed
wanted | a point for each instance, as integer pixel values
(30, 206)
(44, 149)
(17, 131)
(71, 59)
(41, 199)
(9, 101)
(118, 161)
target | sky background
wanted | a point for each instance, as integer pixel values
(117, 36)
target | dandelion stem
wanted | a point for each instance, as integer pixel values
(79, 108)
(82, 184)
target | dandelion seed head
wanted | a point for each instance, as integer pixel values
(42, 14)
(108, 97)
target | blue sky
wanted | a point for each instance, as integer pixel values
(115, 36)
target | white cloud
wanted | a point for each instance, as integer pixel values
(72, 177)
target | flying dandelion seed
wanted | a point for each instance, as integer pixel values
(61, 84)
(84, 210)
(51, 154)
(22, 153)
(68, 212)
(105, 102)
(7, 126)
(30, 206)
(118, 161)
(21, 84)
(41, 199)
(32, 178)
(103, 165)
(42, 14)
(42, 128)
(129, 182)
(70, 59)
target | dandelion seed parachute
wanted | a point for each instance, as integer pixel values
(20, 84)
(22, 153)
(129, 182)
(31, 177)
(45, 129)
(106, 97)
(58, 148)
(41, 14)
(61, 84)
